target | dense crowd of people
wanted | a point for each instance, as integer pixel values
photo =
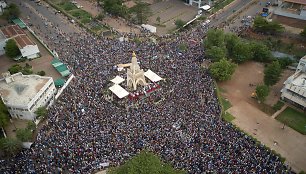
(84, 133)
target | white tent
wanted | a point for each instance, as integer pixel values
(118, 91)
(117, 80)
(152, 76)
(205, 7)
(151, 28)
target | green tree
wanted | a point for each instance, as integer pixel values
(158, 19)
(262, 25)
(222, 70)
(142, 12)
(24, 134)
(230, 41)
(241, 52)
(41, 73)
(215, 53)
(11, 49)
(179, 23)
(11, 12)
(114, 7)
(214, 38)
(31, 125)
(15, 69)
(10, 146)
(262, 91)
(284, 62)
(41, 112)
(4, 119)
(144, 163)
(303, 33)
(261, 52)
(272, 73)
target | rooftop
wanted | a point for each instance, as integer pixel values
(300, 80)
(296, 1)
(23, 89)
(23, 40)
(12, 31)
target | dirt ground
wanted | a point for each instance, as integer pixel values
(252, 120)
(290, 21)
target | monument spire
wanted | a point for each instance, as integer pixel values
(135, 75)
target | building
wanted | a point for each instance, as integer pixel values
(3, 5)
(23, 94)
(135, 75)
(295, 9)
(294, 90)
(27, 47)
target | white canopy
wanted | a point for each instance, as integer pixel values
(152, 76)
(205, 7)
(118, 91)
(151, 28)
(117, 80)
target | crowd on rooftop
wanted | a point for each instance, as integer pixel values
(84, 133)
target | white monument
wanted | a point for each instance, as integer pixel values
(135, 75)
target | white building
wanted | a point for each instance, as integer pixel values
(3, 5)
(294, 90)
(27, 47)
(23, 94)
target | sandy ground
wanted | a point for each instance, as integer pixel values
(290, 144)
(10, 129)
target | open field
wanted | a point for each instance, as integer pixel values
(294, 119)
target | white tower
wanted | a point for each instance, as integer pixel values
(135, 75)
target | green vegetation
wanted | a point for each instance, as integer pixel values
(114, 7)
(272, 73)
(220, 4)
(31, 125)
(144, 163)
(303, 33)
(67, 6)
(215, 53)
(262, 25)
(26, 70)
(41, 73)
(278, 105)
(261, 52)
(141, 11)
(24, 135)
(179, 23)
(225, 103)
(262, 92)
(228, 117)
(222, 70)
(294, 119)
(11, 49)
(10, 146)
(41, 112)
(11, 12)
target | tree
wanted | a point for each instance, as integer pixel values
(24, 134)
(31, 125)
(142, 12)
(100, 16)
(284, 62)
(11, 12)
(11, 49)
(179, 23)
(214, 38)
(158, 19)
(262, 25)
(261, 52)
(144, 163)
(303, 33)
(41, 112)
(222, 70)
(4, 119)
(272, 73)
(114, 7)
(241, 52)
(215, 53)
(15, 69)
(10, 146)
(262, 91)
(230, 41)
(41, 73)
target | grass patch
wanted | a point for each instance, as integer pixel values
(294, 119)
(220, 5)
(67, 6)
(226, 104)
(228, 117)
(81, 14)
(278, 105)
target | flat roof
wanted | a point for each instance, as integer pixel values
(297, 1)
(23, 40)
(23, 89)
(152, 76)
(118, 91)
(117, 80)
(12, 31)
(300, 80)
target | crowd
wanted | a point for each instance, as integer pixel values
(84, 133)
